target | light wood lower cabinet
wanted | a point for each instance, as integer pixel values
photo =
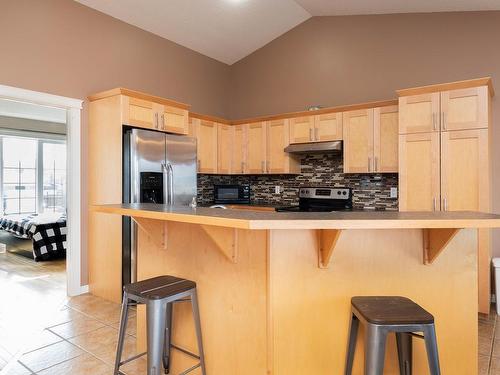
(419, 172)
(279, 161)
(256, 148)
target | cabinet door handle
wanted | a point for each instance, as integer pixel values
(434, 204)
(156, 120)
(316, 134)
(242, 167)
(376, 164)
(445, 204)
(444, 121)
(310, 134)
(162, 122)
(369, 163)
(198, 164)
(263, 166)
(434, 121)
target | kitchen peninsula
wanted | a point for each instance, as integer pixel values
(275, 288)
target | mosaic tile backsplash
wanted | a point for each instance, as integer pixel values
(371, 191)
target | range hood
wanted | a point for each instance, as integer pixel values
(331, 147)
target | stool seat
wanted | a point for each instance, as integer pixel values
(389, 310)
(159, 287)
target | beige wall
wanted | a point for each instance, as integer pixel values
(64, 48)
(341, 60)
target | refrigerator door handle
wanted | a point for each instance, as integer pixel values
(170, 174)
(166, 188)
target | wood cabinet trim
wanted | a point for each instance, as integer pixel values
(485, 81)
(138, 95)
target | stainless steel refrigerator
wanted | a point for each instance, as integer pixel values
(157, 168)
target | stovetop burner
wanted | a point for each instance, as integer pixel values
(318, 199)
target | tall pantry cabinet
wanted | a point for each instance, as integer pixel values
(444, 160)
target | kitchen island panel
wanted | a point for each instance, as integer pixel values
(310, 306)
(232, 296)
(272, 310)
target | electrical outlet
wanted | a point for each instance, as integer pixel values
(394, 192)
(277, 189)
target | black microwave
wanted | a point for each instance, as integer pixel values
(232, 194)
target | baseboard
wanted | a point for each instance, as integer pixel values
(84, 289)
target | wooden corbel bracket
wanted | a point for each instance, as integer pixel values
(327, 239)
(155, 229)
(225, 239)
(435, 241)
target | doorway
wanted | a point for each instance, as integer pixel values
(40, 208)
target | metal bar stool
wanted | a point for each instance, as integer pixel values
(382, 315)
(158, 294)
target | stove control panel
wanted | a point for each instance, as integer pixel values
(325, 193)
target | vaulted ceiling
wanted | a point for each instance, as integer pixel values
(229, 30)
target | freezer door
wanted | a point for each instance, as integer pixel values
(180, 164)
(147, 158)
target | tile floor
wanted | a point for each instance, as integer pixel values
(30, 295)
(489, 344)
(81, 339)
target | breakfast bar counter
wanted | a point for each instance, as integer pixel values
(275, 288)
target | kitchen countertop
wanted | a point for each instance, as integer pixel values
(248, 219)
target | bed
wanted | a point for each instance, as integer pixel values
(47, 231)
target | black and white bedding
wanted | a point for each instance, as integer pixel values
(47, 231)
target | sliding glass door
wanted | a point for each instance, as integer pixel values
(53, 189)
(19, 157)
(33, 175)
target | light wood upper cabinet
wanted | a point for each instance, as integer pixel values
(206, 136)
(150, 115)
(419, 113)
(465, 109)
(224, 148)
(419, 185)
(385, 139)
(328, 127)
(465, 170)
(239, 149)
(358, 141)
(174, 120)
(256, 148)
(302, 129)
(140, 113)
(278, 137)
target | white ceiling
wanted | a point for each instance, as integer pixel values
(345, 7)
(229, 30)
(226, 30)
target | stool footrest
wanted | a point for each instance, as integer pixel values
(190, 369)
(132, 358)
(185, 351)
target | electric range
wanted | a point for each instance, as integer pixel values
(321, 199)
